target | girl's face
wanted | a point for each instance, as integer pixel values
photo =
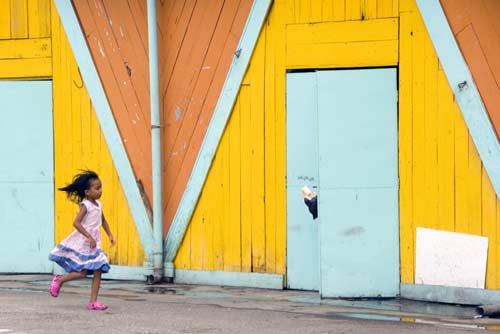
(95, 189)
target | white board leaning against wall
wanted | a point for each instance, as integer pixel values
(450, 259)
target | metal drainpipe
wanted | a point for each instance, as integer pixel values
(155, 143)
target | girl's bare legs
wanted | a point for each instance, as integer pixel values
(71, 276)
(96, 284)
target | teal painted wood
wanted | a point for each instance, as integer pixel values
(216, 127)
(358, 172)
(302, 170)
(26, 176)
(225, 278)
(107, 122)
(450, 295)
(464, 88)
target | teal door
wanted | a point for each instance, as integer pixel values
(26, 176)
(357, 168)
(302, 170)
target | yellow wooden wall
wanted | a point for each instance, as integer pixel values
(80, 144)
(443, 184)
(240, 221)
(25, 45)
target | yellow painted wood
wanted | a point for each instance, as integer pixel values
(337, 55)
(38, 14)
(4, 19)
(339, 8)
(430, 140)
(445, 155)
(343, 32)
(25, 48)
(343, 44)
(442, 182)
(407, 236)
(26, 68)
(19, 18)
(353, 10)
(79, 144)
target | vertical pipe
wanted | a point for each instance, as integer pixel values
(155, 142)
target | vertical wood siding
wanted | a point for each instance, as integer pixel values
(477, 31)
(117, 38)
(80, 144)
(240, 220)
(25, 45)
(197, 40)
(239, 223)
(443, 184)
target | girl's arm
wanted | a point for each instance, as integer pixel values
(108, 231)
(79, 227)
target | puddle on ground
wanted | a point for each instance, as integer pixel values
(160, 290)
(23, 290)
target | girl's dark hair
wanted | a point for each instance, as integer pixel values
(81, 182)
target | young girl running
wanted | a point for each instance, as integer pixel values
(80, 254)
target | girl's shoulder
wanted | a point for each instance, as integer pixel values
(89, 205)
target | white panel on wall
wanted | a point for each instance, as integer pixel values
(450, 259)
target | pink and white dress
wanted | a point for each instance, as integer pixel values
(74, 252)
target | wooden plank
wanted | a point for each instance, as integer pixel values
(343, 32)
(383, 53)
(431, 180)
(461, 162)
(247, 217)
(38, 18)
(5, 21)
(385, 8)
(232, 257)
(339, 10)
(303, 11)
(407, 231)
(256, 155)
(25, 48)
(474, 189)
(280, 119)
(489, 229)
(353, 10)
(327, 11)
(445, 157)
(19, 19)
(418, 142)
(370, 9)
(272, 43)
(26, 68)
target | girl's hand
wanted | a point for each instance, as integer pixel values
(92, 242)
(112, 240)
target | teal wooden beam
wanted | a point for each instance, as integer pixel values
(107, 122)
(464, 88)
(216, 127)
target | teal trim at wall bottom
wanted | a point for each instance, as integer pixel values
(221, 114)
(224, 278)
(450, 295)
(125, 273)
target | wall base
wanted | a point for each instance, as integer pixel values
(451, 295)
(126, 273)
(238, 279)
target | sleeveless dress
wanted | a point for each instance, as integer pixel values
(74, 254)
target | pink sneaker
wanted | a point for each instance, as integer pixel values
(54, 287)
(97, 306)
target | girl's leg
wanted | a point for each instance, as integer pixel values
(96, 284)
(71, 276)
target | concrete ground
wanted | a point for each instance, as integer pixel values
(135, 307)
